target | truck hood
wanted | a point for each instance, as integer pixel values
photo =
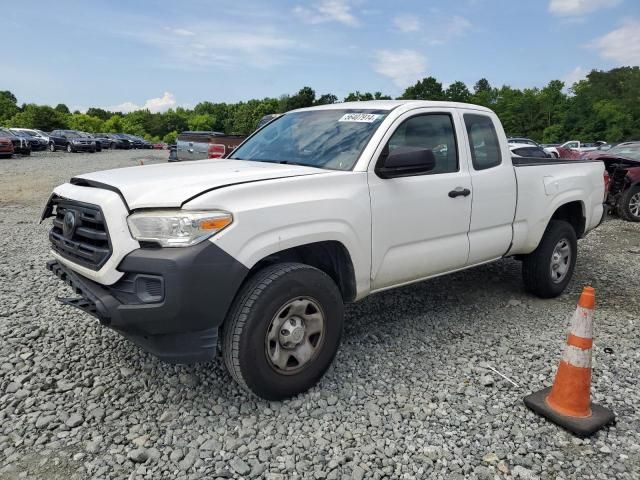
(173, 184)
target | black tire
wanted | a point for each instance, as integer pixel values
(69, 148)
(27, 153)
(93, 150)
(629, 204)
(52, 147)
(112, 146)
(250, 319)
(537, 267)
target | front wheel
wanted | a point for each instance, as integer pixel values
(283, 330)
(52, 147)
(112, 146)
(69, 148)
(548, 269)
(629, 204)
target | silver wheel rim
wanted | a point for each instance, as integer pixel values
(634, 205)
(295, 335)
(560, 260)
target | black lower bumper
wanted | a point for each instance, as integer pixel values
(170, 301)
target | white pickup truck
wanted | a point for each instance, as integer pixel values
(256, 254)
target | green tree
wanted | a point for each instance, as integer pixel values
(360, 97)
(100, 113)
(62, 108)
(426, 89)
(170, 137)
(8, 106)
(113, 124)
(326, 99)
(304, 98)
(483, 93)
(203, 121)
(85, 123)
(42, 117)
(458, 92)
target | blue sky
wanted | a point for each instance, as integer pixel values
(126, 55)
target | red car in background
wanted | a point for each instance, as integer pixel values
(623, 165)
(6, 147)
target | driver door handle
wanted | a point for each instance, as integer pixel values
(460, 192)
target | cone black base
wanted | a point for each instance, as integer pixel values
(582, 427)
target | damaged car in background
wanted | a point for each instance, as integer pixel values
(623, 165)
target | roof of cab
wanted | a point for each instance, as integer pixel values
(392, 104)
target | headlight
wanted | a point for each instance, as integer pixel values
(177, 228)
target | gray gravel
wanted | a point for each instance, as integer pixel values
(410, 396)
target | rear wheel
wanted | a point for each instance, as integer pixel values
(548, 269)
(629, 204)
(112, 146)
(283, 330)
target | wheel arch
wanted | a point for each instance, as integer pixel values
(329, 256)
(574, 214)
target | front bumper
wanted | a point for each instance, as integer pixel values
(83, 147)
(193, 290)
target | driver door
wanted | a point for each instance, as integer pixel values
(420, 223)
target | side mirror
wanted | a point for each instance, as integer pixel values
(405, 162)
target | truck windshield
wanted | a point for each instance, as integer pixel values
(331, 139)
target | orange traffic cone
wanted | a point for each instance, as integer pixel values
(568, 402)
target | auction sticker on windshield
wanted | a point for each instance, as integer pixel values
(359, 117)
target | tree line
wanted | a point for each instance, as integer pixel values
(603, 106)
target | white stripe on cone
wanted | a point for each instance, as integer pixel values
(577, 357)
(582, 323)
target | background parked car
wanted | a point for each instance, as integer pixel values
(20, 145)
(124, 137)
(37, 144)
(115, 142)
(200, 145)
(6, 147)
(528, 150)
(581, 147)
(138, 142)
(102, 142)
(623, 165)
(35, 133)
(71, 141)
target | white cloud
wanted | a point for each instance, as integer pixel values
(208, 45)
(575, 75)
(154, 105)
(452, 28)
(579, 7)
(407, 23)
(182, 31)
(404, 67)
(621, 45)
(457, 26)
(327, 11)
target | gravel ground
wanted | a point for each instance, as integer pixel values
(410, 395)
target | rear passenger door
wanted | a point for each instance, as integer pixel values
(419, 225)
(494, 187)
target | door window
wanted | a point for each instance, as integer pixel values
(431, 131)
(483, 139)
